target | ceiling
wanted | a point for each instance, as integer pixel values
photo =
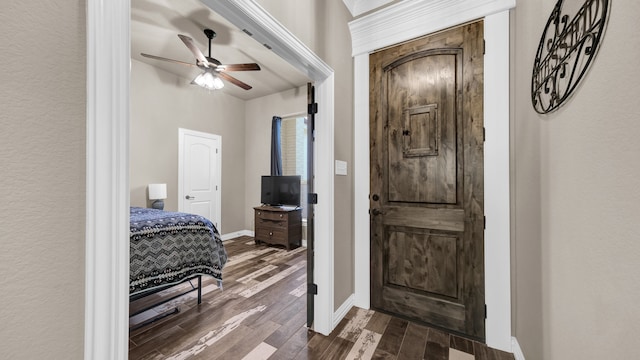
(155, 25)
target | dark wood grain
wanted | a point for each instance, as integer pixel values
(338, 349)
(437, 347)
(295, 347)
(413, 344)
(378, 322)
(482, 352)
(278, 226)
(462, 344)
(319, 343)
(280, 326)
(392, 336)
(427, 172)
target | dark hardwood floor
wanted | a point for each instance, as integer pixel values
(261, 314)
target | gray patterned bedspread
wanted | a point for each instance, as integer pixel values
(169, 247)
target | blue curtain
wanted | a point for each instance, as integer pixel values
(276, 149)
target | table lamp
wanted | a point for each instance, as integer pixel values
(157, 192)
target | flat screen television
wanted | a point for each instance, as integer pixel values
(280, 190)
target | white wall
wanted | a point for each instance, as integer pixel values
(577, 200)
(42, 156)
(160, 104)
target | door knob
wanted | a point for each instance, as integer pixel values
(188, 197)
(376, 212)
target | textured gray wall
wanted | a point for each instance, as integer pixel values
(42, 162)
(576, 199)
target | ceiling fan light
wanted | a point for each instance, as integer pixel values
(208, 81)
(217, 83)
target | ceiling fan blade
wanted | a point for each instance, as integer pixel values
(234, 81)
(238, 67)
(194, 49)
(169, 60)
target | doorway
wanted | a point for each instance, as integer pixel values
(107, 219)
(412, 21)
(427, 204)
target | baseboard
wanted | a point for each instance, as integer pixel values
(342, 311)
(236, 234)
(515, 348)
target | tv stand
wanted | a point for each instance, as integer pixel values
(278, 225)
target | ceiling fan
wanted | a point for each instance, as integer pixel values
(213, 69)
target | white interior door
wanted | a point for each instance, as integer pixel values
(199, 175)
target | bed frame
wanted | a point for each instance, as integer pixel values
(176, 310)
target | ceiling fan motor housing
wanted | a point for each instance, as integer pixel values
(210, 33)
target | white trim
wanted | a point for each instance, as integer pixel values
(343, 310)
(359, 7)
(107, 222)
(217, 220)
(236, 234)
(517, 351)
(351, 6)
(324, 211)
(247, 14)
(361, 177)
(106, 334)
(497, 246)
(413, 18)
(401, 22)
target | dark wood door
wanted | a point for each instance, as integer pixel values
(312, 107)
(426, 201)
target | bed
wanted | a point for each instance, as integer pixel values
(168, 248)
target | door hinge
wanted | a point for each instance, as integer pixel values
(484, 134)
(484, 47)
(484, 220)
(485, 311)
(312, 108)
(312, 198)
(216, 151)
(312, 289)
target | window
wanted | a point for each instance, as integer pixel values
(293, 138)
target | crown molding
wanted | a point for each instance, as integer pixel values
(359, 7)
(264, 28)
(413, 18)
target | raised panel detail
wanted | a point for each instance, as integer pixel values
(423, 261)
(200, 154)
(424, 117)
(421, 133)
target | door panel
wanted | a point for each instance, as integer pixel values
(408, 250)
(422, 120)
(199, 177)
(199, 160)
(427, 207)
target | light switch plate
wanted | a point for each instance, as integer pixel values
(341, 167)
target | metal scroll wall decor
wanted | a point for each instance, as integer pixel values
(566, 49)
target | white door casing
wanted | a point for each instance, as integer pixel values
(407, 20)
(106, 334)
(199, 174)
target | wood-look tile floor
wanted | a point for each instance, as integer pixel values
(261, 314)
